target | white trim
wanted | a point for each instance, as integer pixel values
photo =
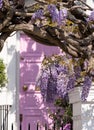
(9, 55)
(17, 78)
(83, 112)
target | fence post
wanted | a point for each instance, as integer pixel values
(12, 126)
(45, 126)
(54, 126)
(29, 126)
(61, 126)
(20, 126)
(37, 125)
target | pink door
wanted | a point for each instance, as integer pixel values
(32, 108)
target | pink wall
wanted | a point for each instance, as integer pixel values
(32, 107)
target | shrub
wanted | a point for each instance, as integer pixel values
(3, 77)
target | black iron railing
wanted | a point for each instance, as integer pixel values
(38, 127)
(4, 109)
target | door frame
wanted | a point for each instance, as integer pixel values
(17, 78)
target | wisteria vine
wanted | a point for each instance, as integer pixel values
(58, 15)
(60, 74)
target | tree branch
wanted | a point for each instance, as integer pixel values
(18, 18)
(7, 19)
(3, 38)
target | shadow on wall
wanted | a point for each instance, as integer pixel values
(88, 116)
(32, 107)
(9, 55)
(12, 80)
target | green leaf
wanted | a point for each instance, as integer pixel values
(3, 77)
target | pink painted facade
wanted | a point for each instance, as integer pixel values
(31, 105)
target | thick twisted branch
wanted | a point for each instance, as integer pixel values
(18, 18)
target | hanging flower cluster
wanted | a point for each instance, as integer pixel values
(60, 74)
(57, 16)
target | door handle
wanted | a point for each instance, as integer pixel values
(25, 87)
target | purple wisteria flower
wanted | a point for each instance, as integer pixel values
(38, 14)
(62, 83)
(71, 83)
(62, 16)
(86, 87)
(58, 16)
(1, 3)
(54, 12)
(91, 17)
(67, 127)
(56, 79)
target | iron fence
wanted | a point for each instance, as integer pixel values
(38, 127)
(4, 109)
